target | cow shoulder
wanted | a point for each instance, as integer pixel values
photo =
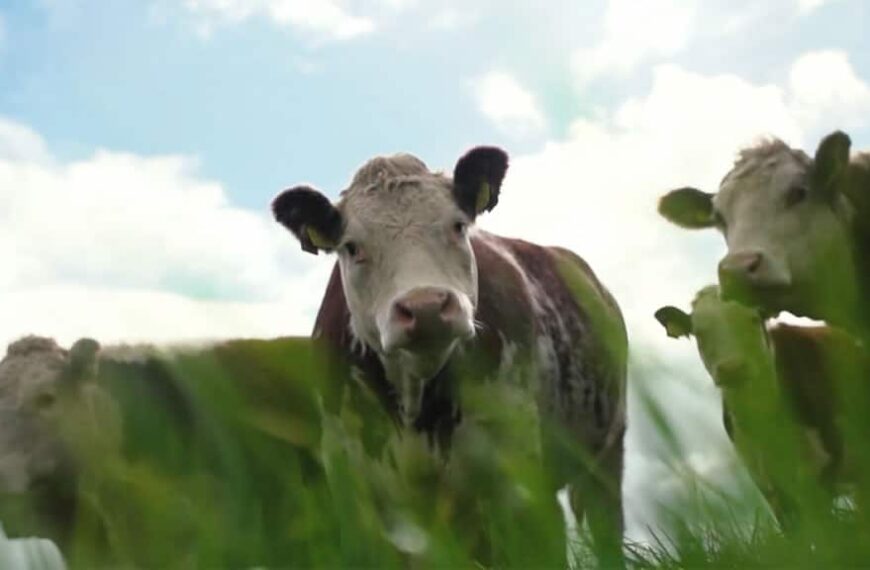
(504, 308)
(595, 300)
(582, 334)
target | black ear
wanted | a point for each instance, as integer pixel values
(688, 208)
(477, 179)
(830, 163)
(857, 190)
(83, 360)
(312, 218)
(676, 322)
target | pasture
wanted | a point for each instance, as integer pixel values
(434, 284)
(255, 471)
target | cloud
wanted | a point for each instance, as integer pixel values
(595, 191)
(125, 247)
(453, 18)
(807, 6)
(827, 92)
(322, 19)
(21, 143)
(509, 105)
(635, 32)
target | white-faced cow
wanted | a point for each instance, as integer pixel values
(791, 399)
(418, 291)
(797, 230)
(94, 441)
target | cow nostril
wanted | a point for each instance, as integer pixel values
(744, 263)
(754, 263)
(403, 313)
(449, 305)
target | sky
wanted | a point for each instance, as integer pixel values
(141, 142)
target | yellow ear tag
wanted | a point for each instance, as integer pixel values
(674, 330)
(483, 197)
(318, 239)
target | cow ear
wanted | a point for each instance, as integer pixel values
(830, 163)
(676, 322)
(477, 179)
(857, 190)
(312, 218)
(83, 359)
(688, 208)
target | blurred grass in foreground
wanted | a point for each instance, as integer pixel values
(714, 525)
(243, 469)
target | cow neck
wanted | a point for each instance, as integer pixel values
(439, 411)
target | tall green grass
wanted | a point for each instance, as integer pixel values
(254, 473)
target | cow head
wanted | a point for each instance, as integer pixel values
(408, 271)
(47, 400)
(786, 224)
(732, 339)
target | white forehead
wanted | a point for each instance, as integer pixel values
(397, 194)
(762, 170)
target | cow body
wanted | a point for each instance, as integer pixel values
(422, 308)
(793, 399)
(223, 437)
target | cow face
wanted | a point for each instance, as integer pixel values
(786, 226)
(731, 337)
(45, 392)
(409, 274)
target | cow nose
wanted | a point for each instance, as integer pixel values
(743, 264)
(425, 309)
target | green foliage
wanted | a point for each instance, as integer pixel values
(822, 516)
(246, 470)
(228, 461)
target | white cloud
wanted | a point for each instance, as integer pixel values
(21, 143)
(504, 101)
(322, 19)
(595, 191)
(125, 247)
(635, 32)
(827, 93)
(807, 6)
(453, 17)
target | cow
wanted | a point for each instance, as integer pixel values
(422, 304)
(221, 441)
(793, 399)
(797, 230)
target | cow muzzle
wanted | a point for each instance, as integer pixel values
(751, 276)
(426, 318)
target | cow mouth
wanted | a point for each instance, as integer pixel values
(768, 298)
(429, 341)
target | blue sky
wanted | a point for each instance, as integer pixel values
(141, 142)
(262, 103)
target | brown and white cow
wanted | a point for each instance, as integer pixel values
(418, 293)
(797, 230)
(794, 400)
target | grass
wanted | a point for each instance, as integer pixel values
(248, 471)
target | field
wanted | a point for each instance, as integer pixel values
(251, 471)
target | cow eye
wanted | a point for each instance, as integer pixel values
(796, 195)
(44, 401)
(354, 251)
(459, 227)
